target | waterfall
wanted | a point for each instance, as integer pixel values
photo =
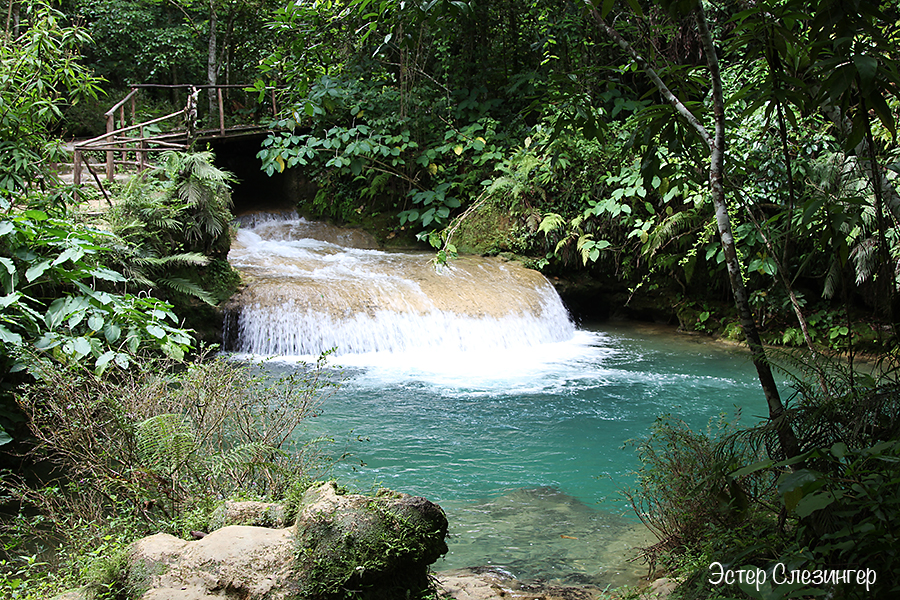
(312, 287)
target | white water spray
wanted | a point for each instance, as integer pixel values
(314, 287)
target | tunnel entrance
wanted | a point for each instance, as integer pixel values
(256, 191)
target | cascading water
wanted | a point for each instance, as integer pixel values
(469, 385)
(315, 287)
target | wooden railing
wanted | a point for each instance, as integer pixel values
(179, 137)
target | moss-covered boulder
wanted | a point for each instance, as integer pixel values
(341, 546)
(379, 547)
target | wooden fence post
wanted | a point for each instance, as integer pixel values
(122, 125)
(221, 113)
(141, 153)
(110, 167)
(76, 171)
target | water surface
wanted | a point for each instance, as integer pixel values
(470, 385)
(526, 449)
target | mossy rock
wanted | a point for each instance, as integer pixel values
(367, 547)
(341, 546)
(496, 227)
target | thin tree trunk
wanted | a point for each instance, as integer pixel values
(887, 268)
(9, 13)
(716, 143)
(212, 64)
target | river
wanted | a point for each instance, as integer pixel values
(504, 412)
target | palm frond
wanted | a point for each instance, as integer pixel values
(863, 255)
(832, 279)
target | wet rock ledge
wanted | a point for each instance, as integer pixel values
(380, 547)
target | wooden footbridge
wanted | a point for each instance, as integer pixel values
(130, 144)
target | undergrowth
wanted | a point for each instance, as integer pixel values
(726, 495)
(153, 449)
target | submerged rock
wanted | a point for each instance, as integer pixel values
(496, 584)
(378, 547)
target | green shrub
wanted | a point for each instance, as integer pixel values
(155, 449)
(685, 486)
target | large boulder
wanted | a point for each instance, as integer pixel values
(341, 545)
(378, 546)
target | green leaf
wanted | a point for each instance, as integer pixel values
(37, 215)
(758, 466)
(112, 332)
(5, 438)
(606, 7)
(37, 270)
(839, 450)
(173, 351)
(133, 340)
(79, 346)
(72, 253)
(156, 331)
(813, 502)
(8, 337)
(9, 299)
(95, 322)
(107, 275)
(883, 111)
(122, 360)
(104, 358)
(867, 67)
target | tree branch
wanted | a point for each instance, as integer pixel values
(651, 73)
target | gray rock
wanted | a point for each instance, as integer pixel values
(380, 546)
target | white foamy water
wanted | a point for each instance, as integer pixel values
(314, 287)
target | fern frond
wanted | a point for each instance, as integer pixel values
(668, 230)
(189, 288)
(832, 279)
(551, 222)
(584, 247)
(165, 443)
(501, 184)
(190, 259)
(240, 457)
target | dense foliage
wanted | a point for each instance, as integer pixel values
(719, 497)
(146, 450)
(555, 146)
(627, 142)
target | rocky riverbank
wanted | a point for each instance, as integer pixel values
(379, 546)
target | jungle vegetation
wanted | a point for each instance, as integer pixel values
(735, 161)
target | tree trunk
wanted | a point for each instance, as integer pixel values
(212, 61)
(716, 143)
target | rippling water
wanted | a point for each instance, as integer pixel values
(524, 449)
(471, 387)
